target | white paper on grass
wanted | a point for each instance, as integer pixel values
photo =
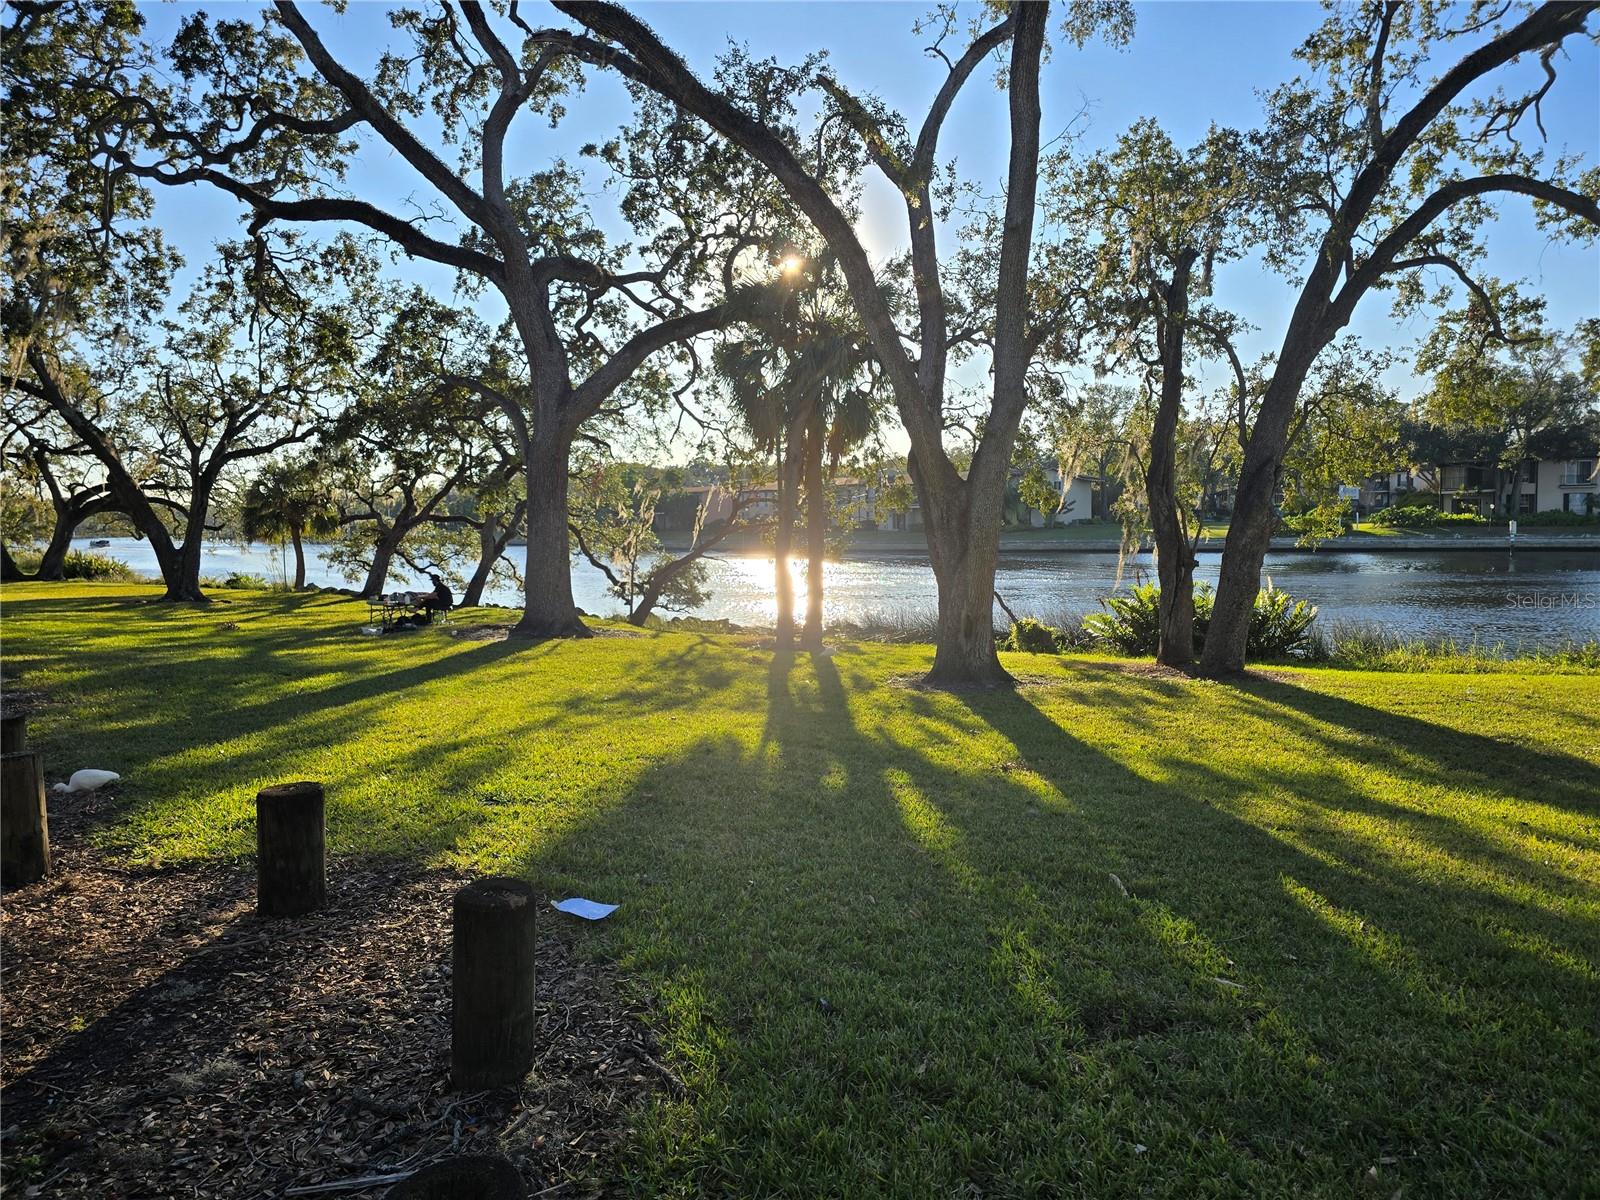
(589, 910)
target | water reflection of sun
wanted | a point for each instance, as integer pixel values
(760, 576)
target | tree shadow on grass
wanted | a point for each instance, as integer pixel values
(883, 956)
(884, 935)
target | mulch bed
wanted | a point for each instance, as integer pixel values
(161, 1040)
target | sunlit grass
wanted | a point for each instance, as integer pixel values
(1115, 934)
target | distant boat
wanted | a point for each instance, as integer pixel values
(99, 543)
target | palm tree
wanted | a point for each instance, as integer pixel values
(288, 502)
(802, 383)
(752, 369)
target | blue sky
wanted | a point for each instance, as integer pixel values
(1191, 63)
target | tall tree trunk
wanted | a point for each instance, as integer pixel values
(382, 559)
(1175, 565)
(180, 563)
(299, 559)
(183, 578)
(783, 535)
(53, 562)
(816, 529)
(548, 609)
(70, 513)
(1250, 528)
(1175, 560)
(964, 516)
(965, 556)
(183, 575)
(10, 572)
(490, 547)
(962, 524)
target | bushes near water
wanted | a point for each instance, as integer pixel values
(1427, 516)
(1557, 518)
(1280, 626)
(1422, 516)
(81, 564)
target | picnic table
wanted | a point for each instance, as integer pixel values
(391, 608)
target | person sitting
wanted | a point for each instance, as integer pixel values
(440, 600)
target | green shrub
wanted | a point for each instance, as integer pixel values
(1131, 623)
(1319, 524)
(1280, 626)
(1033, 637)
(1556, 517)
(1425, 515)
(80, 564)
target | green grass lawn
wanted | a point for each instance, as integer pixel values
(1357, 953)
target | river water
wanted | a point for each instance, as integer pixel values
(1523, 598)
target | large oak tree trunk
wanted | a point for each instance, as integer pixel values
(383, 552)
(816, 530)
(53, 562)
(548, 609)
(183, 574)
(965, 655)
(1175, 569)
(1175, 561)
(962, 524)
(180, 566)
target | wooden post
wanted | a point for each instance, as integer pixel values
(491, 992)
(466, 1177)
(24, 823)
(291, 853)
(13, 733)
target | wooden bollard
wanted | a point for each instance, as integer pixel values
(291, 850)
(491, 991)
(467, 1177)
(24, 823)
(13, 733)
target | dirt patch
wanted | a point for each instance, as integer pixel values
(161, 1040)
(481, 633)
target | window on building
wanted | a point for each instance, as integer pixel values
(1578, 471)
(1526, 503)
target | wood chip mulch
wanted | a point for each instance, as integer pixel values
(162, 1040)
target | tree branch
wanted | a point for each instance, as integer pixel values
(383, 122)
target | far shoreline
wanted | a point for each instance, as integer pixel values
(1025, 547)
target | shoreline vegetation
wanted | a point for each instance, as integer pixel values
(1339, 644)
(1118, 931)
